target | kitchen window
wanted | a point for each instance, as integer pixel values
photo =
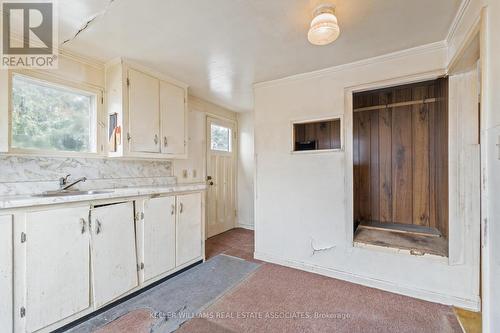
(52, 118)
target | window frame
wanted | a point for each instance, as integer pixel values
(230, 137)
(99, 149)
(294, 122)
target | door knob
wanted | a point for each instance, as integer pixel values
(211, 183)
(165, 142)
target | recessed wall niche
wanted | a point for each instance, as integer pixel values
(317, 135)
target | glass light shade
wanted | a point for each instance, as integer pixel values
(324, 29)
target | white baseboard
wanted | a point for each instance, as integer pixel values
(245, 226)
(473, 305)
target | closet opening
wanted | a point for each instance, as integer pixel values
(400, 154)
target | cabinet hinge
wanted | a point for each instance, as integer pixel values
(129, 137)
(140, 266)
(23, 237)
(139, 216)
(22, 312)
(102, 99)
(128, 82)
(235, 213)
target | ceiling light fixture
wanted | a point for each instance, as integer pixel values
(324, 26)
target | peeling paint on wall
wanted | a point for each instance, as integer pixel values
(320, 249)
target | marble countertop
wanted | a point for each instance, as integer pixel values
(18, 201)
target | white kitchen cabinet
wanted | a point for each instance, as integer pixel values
(173, 119)
(144, 112)
(189, 228)
(113, 249)
(57, 265)
(159, 236)
(6, 269)
(149, 110)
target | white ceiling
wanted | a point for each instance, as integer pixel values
(221, 47)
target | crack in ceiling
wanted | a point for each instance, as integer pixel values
(87, 24)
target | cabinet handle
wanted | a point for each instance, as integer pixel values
(172, 211)
(83, 223)
(98, 230)
(156, 139)
(165, 141)
(181, 208)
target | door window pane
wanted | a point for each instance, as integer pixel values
(221, 138)
(47, 117)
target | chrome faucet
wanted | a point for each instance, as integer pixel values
(63, 182)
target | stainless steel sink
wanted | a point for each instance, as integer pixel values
(67, 193)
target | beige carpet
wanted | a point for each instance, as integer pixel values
(280, 299)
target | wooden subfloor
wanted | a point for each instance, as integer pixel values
(418, 243)
(470, 321)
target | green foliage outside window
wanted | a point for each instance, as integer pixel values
(45, 117)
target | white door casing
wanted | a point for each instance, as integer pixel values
(159, 236)
(114, 257)
(189, 228)
(57, 265)
(221, 180)
(144, 112)
(173, 119)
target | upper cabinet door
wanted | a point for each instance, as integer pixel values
(57, 265)
(159, 236)
(173, 119)
(114, 257)
(144, 112)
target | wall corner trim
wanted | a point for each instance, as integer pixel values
(456, 21)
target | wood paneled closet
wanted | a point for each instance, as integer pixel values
(400, 148)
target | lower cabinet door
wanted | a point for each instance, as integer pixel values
(57, 265)
(6, 270)
(189, 237)
(114, 258)
(159, 236)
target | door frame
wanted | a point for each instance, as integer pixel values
(347, 127)
(235, 152)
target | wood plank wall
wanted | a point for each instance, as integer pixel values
(325, 133)
(401, 156)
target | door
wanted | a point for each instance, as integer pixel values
(114, 258)
(189, 237)
(144, 112)
(159, 236)
(57, 265)
(221, 176)
(173, 119)
(6, 270)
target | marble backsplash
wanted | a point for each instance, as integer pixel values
(28, 175)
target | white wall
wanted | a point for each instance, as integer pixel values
(246, 170)
(196, 161)
(303, 200)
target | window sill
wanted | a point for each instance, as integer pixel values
(54, 154)
(320, 151)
